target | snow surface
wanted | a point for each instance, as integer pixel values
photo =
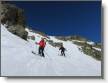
(17, 59)
(90, 43)
(98, 49)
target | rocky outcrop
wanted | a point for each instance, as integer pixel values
(70, 38)
(92, 52)
(54, 44)
(98, 45)
(14, 18)
(90, 49)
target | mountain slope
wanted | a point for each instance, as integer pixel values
(17, 59)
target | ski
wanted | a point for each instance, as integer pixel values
(33, 52)
(37, 54)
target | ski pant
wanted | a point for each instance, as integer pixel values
(62, 53)
(41, 51)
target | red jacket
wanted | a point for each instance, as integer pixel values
(42, 43)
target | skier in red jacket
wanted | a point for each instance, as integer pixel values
(42, 45)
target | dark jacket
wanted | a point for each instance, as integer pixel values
(62, 49)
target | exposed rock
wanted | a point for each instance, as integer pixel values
(70, 38)
(98, 45)
(89, 50)
(55, 44)
(31, 37)
(92, 52)
(14, 18)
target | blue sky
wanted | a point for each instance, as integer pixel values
(64, 18)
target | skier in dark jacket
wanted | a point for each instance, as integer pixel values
(62, 50)
(42, 45)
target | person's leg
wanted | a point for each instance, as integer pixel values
(43, 52)
(39, 50)
(62, 53)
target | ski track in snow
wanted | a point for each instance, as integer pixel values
(17, 59)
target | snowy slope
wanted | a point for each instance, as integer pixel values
(17, 59)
